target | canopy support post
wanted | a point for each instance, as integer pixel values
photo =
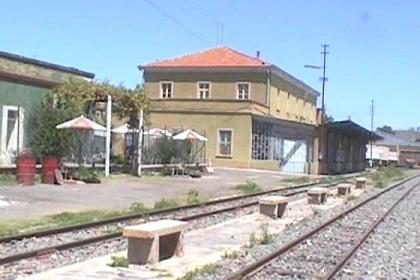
(108, 135)
(140, 143)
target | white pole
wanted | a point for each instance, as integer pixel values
(108, 135)
(140, 143)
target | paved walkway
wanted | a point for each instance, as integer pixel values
(119, 192)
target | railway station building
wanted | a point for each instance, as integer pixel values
(254, 114)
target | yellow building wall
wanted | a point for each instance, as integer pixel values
(222, 85)
(209, 124)
(291, 103)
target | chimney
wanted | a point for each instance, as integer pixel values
(258, 54)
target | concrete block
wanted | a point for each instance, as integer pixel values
(273, 206)
(343, 189)
(154, 241)
(360, 183)
(317, 195)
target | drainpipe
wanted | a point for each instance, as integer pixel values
(268, 86)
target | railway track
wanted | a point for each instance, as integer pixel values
(109, 232)
(321, 252)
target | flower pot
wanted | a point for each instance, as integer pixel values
(26, 169)
(49, 165)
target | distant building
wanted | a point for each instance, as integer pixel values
(23, 83)
(381, 155)
(254, 114)
(403, 143)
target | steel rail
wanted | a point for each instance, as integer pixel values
(362, 240)
(64, 229)
(117, 234)
(259, 264)
(148, 214)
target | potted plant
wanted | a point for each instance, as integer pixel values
(49, 143)
(25, 167)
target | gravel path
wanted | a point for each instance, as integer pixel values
(393, 250)
(312, 260)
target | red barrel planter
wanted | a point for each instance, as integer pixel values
(26, 169)
(49, 165)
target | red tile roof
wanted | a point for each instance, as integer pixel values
(217, 57)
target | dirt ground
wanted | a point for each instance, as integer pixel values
(120, 191)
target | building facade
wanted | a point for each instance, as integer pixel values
(23, 83)
(405, 144)
(254, 114)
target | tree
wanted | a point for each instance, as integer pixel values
(73, 98)
(386, 128)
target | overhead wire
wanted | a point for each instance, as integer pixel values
(175, 21)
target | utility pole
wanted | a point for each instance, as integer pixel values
(324, 79)
(371, 129)
(322, 132)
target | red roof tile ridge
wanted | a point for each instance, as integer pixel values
(253, 60)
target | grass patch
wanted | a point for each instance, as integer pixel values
(351, 197)
(263, 237)
(386, 175)
(7, 179)
(55, 221)
(297, 180)
(118, 261)
(138, 208)
(200, 271)
(230, 255)
(193, 197)
(249, 187)
(165, 203)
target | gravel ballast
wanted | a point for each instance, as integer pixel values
(392, 251)
(311, 262)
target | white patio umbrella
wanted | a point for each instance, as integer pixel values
(157, 132)
(123, 129)
(191, 135)
(82, 124)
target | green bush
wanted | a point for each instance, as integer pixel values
(44, 138)
(249, 187)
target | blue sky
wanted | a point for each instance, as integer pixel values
(374, 45)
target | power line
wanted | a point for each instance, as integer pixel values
(174, 20)
(204, 14)
(201, 12)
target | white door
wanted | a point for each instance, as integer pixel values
(11, 133)
(294, 156)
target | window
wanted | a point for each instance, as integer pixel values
(243, 90)
(203, 90)
(166, 89)
(224, 143)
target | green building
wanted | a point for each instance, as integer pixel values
(23, 82)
